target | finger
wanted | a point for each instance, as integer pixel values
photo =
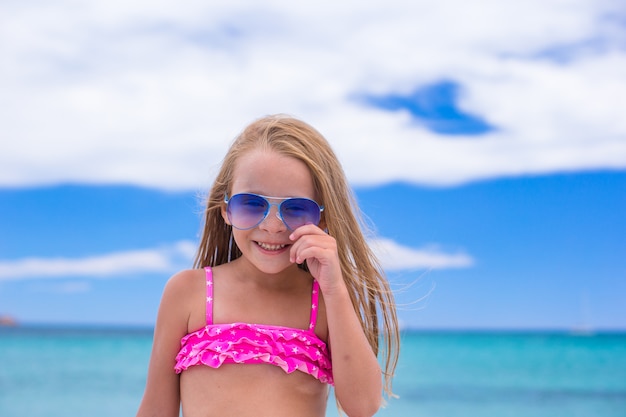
(299, 246)
(307, 229)
(310, 254)
(313, 246)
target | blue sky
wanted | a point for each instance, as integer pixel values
(491, 157)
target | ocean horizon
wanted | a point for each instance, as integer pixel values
(100, 370)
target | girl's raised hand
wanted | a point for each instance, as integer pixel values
(319, 250)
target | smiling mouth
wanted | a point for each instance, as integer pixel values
(269, 247)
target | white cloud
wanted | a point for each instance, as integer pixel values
(394, 257)
(151, 93)
(72, 287)
(165, 259)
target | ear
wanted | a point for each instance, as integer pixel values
(323, 225)
(224, 214)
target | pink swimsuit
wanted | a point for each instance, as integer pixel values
(290, 349)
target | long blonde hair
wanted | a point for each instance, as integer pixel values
(369, 290)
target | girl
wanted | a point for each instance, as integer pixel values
(281, 248)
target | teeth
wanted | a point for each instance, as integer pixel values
(267, 246)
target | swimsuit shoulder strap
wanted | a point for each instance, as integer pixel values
(314, 305)
(209, 295)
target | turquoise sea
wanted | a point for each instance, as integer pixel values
(56, 372)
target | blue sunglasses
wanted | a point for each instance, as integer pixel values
(247, 210)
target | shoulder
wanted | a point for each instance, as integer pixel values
(178, 300)
(183, 285)
(184, 279)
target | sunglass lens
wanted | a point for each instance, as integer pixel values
(246, 210)
(297, 212)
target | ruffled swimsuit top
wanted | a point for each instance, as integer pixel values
(288, 348)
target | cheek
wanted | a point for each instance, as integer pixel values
(239, 239)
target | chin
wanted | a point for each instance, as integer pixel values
(273, 268)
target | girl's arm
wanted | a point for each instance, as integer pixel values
(356, 371)
(162, 394)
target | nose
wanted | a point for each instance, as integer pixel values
(273, 223)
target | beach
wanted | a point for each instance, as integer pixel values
(97, 372)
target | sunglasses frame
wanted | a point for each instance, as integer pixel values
(267, 199)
